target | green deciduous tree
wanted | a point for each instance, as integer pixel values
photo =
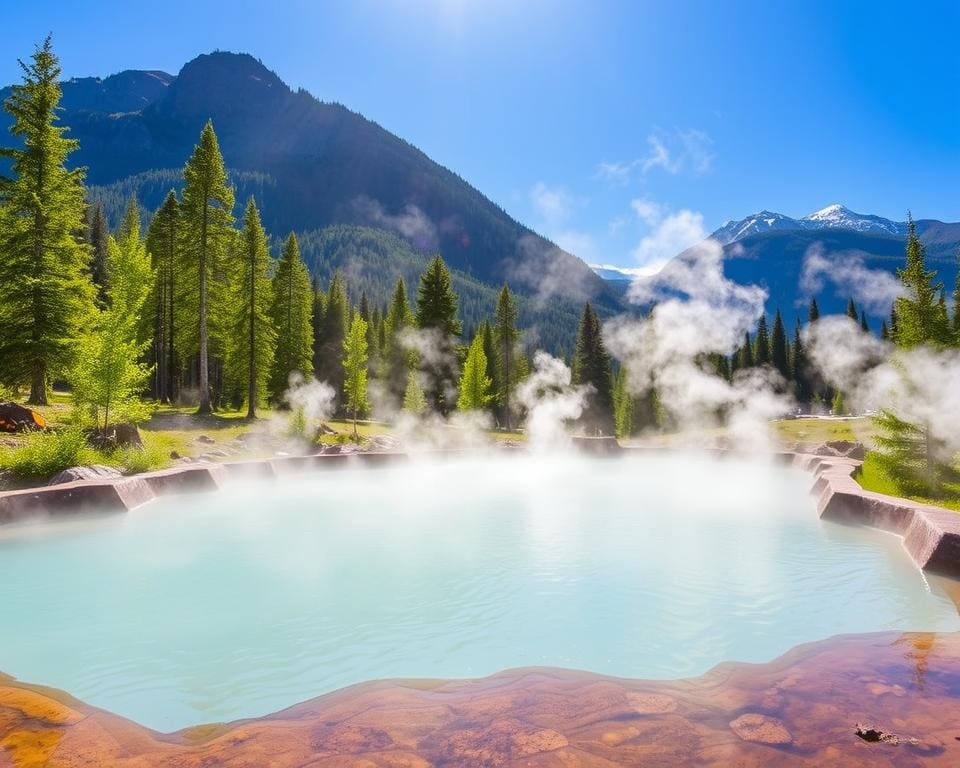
(592, 367)
(475, 384)
(355, 370)
(47, 299)
(206, 231)
(291, 312)
(108, 376)
(252, 336)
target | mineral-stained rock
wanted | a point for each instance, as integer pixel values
(93, 472)
(761, 729)
(18, 418)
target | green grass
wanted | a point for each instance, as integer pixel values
(860, 429)
(39, 455)
(873, 477)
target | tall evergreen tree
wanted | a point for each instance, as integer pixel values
(814, 312)
(956, 308)
(778, 347)
(761, 350)
(97, 234)
(163, 237)
(864, 325)
(884, 331)
(437, 311)
(919, 319)
(414, 401)
(47, 299)
(333, 331)
(799, 368)
(355, 370)
(746, 353)
(398, 357)
(591, 366)
(206, 231)
(475, 383)
(319, 314)
(253, 337)
(291, 312)
(506, 337)
(852, 311)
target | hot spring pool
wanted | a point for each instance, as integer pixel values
(236, 604)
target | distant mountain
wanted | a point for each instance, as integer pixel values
(833, 216)
(311, 164)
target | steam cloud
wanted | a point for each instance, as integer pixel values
(876, 289)
(550, 399)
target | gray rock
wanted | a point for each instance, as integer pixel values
(205, 439)
(93, 472)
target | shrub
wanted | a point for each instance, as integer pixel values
(43, 454)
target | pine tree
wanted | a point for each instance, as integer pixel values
(291, 312)
(437, 311)
(591, 366)
(47, 299)
(506, 337)
(778, 347)
(319, 315)
(893, 321)
(884, 331)
(107, 377)
(761, 350)
(864, 325)
(956, 309)
(852, 311)
(485, 331)
(915, 459)
(355, 370)
(918, 317)
(799, 368)
(814, 313)
(333, 332)
(364, 307)
(253, 337)
(622, 405)
(475, 384)
(163, 246)
(746, 353)
(206, 231)
(398, 358)
(97, 234)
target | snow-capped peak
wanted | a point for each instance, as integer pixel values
(839, 216)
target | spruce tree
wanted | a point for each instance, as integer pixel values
(592, 367)
(884, 331)
(864, 325)
(919, 319)
(333, 331)
(206, 231)
(163, 246)
(761, 350)
(475, 384)
(506, 337)
(437, 312)
(97, 234)
(852, 311)
(799, 367)
(956, 309)
(253, 338)
(319, 314)
(623, 417)
(355, 370)
(746, 353)
(398, 357)
(778, 347)
(414, 401)
(107, 376)
(814, 312)
(47, 301)
(291, 312)
(485, 331)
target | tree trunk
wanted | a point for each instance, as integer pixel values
(38, 384)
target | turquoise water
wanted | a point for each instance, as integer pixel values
(216, 607)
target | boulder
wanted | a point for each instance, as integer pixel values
(127, 434)
(92, 472)
(18, 418)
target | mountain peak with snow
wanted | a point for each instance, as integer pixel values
(834, 216)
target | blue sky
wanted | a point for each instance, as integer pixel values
(620, 129)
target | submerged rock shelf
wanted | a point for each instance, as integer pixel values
(800, 710)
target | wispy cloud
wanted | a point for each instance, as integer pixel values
(682, 150)
(875, 289)
(552, 204)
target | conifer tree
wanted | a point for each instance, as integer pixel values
(97, 234)
(206, 232)
(253, 338)
(333, 332)
(852, 311)
(364, 307)
(919, 319)
(437, 311)
(884, 331)
(591, 366)
(799, 367)
(956, 309)
(814, 312)
(746, 353)
(398, 357)
(623, 417)
(414, 401)
(319, 314)
(47, 301)
(506, 337)
(485, 331)
(355, 369)
(761, 352)
(864, 325)
(475, 384)
(107, 376)
(291, 312)
(778, 347)
(162, 245)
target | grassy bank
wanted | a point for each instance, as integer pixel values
(873, 477)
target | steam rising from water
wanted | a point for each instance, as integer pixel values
(550, 399)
